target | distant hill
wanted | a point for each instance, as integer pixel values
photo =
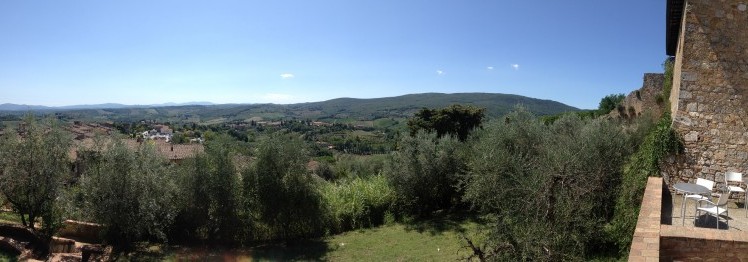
(406, 105)
(339, 110)
(17, 107)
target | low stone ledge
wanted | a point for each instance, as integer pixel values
(645, 245)
(81, 231)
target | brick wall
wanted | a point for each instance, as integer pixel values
(702, 244)
(654, 241)
(709, 98)
(646, 243)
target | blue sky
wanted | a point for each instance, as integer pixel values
(144, 52)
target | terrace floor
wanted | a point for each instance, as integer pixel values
(736, 217)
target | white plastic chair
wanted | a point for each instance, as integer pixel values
(705, 183)
(715, 209)
(736, 178)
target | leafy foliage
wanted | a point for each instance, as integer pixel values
(455, 120)
(358, 203)
(424, 173)
(282, 199)
(33, 168)
(210, 195)
(610, 102)
(661, 141)
(131, 193)
(546, 188)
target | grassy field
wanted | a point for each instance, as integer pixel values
(9, 217)
(433, 240)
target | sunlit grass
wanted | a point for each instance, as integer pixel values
(432, 240)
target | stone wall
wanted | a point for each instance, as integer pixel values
(81, 231)
(708, 99)
(646, 98)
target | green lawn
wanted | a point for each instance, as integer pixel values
(399, 243)
(9, 217)
(433, 240)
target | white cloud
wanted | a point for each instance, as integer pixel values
(489, 68)
(439, 72)
(515, 66)
(287, 75)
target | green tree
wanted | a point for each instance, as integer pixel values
(610, 102)
(132, 193)
(281, 196)
(33, 168)
(424, 173)
(455, 120)
(210, 198)
(549, 190)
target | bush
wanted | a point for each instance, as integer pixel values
(282, 199)
(424, 173)
(131, 193)
(210, 199)
(548, 190)
(358, 203)
(32, 170)
(352, 166)
(661, 141)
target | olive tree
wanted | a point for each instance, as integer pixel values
(424, 173)
(33, 166)
(131, 192)
(281, 195)
(209, 199)
(549, 190)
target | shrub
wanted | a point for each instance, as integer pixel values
(424, 173)
(548, 189)
(210, 199)
(282, 199)
(131, 193)
(661, 141)
(32, 170)
(352, 166)
(358, 203)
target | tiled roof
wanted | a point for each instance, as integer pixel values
(169, 151)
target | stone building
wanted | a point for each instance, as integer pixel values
(709, 39)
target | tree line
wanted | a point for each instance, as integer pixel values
(547, 190)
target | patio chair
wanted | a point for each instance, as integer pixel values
(715, 209)
(705, 183)
(734, 178)
(733, 181)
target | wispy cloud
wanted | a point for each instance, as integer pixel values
(440, 72)
(489, 68)
(515, 66)
(287, 75)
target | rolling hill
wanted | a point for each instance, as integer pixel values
(335, 109)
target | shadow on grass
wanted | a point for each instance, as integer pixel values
(441, 223)
(306, 250)
(311, 249)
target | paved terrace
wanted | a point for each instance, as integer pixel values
(660, 236)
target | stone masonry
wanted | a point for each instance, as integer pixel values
(646, 98)
(709, 101)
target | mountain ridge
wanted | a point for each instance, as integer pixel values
(24, 107)
(344, 109)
